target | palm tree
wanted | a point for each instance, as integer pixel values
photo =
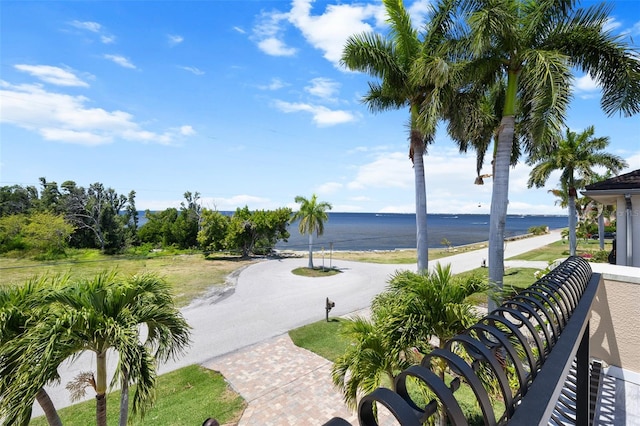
(532, 45)
(413, 73)
(97, 315)
(415, 308)
(20, 306)
(433, 304)
(312, 215)
(576, 155)
(368, 362)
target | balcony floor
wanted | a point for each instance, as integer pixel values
(619, 399)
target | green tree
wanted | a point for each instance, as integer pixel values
(412, 72)
(47, 232)
(533, 45)
(97, 315)
(257, 231)
(11, 232)
(16, 199)
(130, 219)
(211, 236)
(159, 228)
(312, 215)
(575, 156)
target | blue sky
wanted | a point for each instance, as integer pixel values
(241, 101)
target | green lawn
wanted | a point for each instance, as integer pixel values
(186, 396)
(322, 338)
(560, 249)
(190, 275)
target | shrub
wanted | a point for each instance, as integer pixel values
(538, 230)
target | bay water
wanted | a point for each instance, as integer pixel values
(389, 231)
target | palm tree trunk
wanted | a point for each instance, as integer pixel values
(499, 204)
(311, 251)
(101, 389)
(573, 242)
(421, 207)
(124, 399)
(47, 406)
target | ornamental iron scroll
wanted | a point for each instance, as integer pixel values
(505, 357)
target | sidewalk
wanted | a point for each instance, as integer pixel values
(282, 384)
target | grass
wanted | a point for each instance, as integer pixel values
(186, 396)
(514, 279)
(401, 256)
(190, 275)
(315, 272)
(560, 249)
(322, 338)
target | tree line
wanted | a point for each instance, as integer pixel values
(48, 220)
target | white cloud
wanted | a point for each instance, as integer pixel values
(385, 171)
(268, 34)
(187, 131)
(65, 118)
(275, 84)
(239, 30)
(612, 24)
(329, 188)
(193, 70)
(275, 47)
(120, 60)
(53, 75)
(324, 88)
(586, 84)
(328, 32)
(322, 116)
(251, 201)
(174, 39)
(94, 27)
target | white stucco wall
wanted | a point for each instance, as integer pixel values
(622, 220)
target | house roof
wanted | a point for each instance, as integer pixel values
(608, 191)
(626, 181)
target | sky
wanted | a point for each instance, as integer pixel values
(242, 101)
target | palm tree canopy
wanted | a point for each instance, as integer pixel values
(576, 156)
(312, 215)
(432, 304)
(98, 314)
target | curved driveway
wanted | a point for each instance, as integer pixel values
(269, 300)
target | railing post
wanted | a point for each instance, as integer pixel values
(583, 380)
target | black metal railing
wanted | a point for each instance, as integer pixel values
(526, 362)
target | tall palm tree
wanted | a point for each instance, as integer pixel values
(412, 72)
(97, 315)
(533, 45)
(576, 155)
(312, 215)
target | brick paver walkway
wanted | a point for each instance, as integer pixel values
(282, 384)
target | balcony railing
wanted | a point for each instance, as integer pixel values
(531, 354)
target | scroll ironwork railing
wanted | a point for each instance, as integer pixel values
(531, 354)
